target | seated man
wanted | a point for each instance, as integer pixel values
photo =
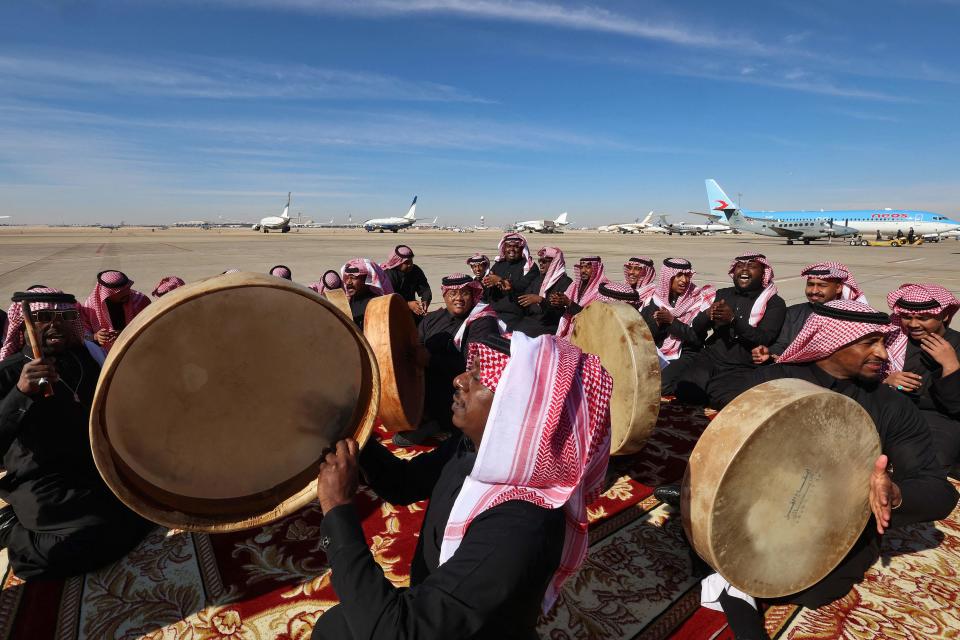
(408, 280)
(744, 316)
(584, 290)
(925, 361)
(511, 276)
(479, 266)
(330, 280)
(841, 348)
(166, 285)
(638, 274)
(282, 271)
(62, 520)
(446, 334)
(542, 317)
(506, 524)
(362, 281)
(110, 307)
(825, 282)
(675, 302)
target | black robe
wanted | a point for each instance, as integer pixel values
(447, 361)
(69, 521)
(938, 398)
(491, 588)
(796, 317)
(544, 318)
(411, 284)
(710, 376)
(679, 330)
(118, 317)
(905, 439)
(358, 306)
(505, 302)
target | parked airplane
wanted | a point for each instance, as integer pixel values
(394, 224)
(543, 226)
(683, 228)
(428, 225)
(111, 227)
(279, 223)
(637, 226)
(803, 230)
(865, 222)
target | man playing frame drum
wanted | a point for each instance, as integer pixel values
(841, 348)
(507, 521)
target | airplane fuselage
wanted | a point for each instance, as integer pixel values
(865, 221)
(388, 224)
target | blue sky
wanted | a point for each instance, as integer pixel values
(165, 110)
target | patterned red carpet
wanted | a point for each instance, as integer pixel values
(272, 583)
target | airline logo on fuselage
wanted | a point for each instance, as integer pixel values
(890, 215)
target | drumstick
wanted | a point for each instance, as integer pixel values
(34, 344)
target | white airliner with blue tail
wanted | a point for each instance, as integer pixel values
(866, 222)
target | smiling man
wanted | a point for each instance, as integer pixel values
(409, 280)
(742, 317)
(675, 302)
(925, 361)
(363, 280)
(824, 282)
(61, 518)
(841, 348)
(506, 524)
(511, 276)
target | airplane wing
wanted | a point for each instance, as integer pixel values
(793, 234)
(712, 217)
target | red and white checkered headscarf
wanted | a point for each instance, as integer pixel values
(619, 292)
(516, 237)
(479, 258)
(556, 270)
(694, 300)
(400, 253)
(94, 312)
(646, 264)
(915, 298)
(376, 279)
(546, 441)
(329, 280)
(14, 339)
(582, 294)
(166, 285)
(231, 270)
(836, 271)
(833, 326)
(282, 271)
(769, 287)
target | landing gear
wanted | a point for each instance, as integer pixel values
(265, 230)
(789, 241)
(806, 242)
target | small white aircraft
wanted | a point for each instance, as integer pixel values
(543, 226)
(637, 226)
(279, 223)
(394, 224)
(693, 228)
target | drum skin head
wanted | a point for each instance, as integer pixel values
(617, 334)
(339, 299)
(776, 490)
(216, 404)
(389, 328)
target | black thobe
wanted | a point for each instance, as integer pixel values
(543, 318)
(411, 284)
(505, 302)
(680, 330)
(358, 306)
(491, 588)
(796, 317)
(447, 361)
(709, 377)
(938, 398)
(69, 521)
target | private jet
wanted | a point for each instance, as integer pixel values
(543, 226)
(692, 228)
(279, 223)
(637, 226)
(394, 224)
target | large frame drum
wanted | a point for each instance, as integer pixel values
(216, 404)
(617, 334)
(388, 326)
(776, 490)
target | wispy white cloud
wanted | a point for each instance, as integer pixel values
(77, 72)
(864, 115)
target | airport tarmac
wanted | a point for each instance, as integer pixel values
(70, 258)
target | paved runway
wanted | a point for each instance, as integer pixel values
(70, 258)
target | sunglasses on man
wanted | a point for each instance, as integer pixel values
(49, 315)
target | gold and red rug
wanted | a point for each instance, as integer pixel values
(273, 582)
